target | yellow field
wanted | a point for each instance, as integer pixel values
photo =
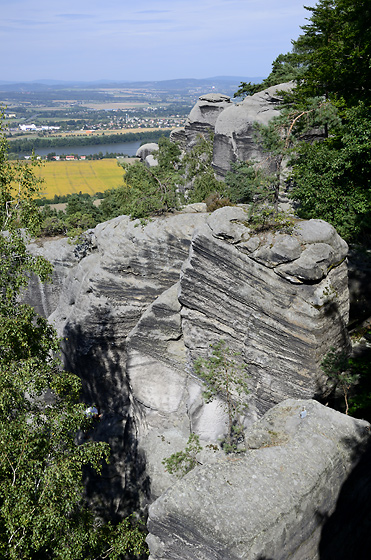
(89, 176)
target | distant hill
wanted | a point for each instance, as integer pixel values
(225, 84)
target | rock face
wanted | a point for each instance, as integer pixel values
(204, 114)
(122, 269)
(234, 129)
(280, 300)
(45, 297)
(138, 304)
(271, 502)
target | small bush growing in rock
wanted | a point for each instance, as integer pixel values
(181, 462)
(225, 378)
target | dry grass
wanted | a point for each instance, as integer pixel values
(89, 176)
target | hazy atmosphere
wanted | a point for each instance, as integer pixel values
(120, 40)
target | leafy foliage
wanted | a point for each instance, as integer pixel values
(43, 513)
(226, 379)
(182, 462)
(285, 68)
(336, 51)
(338, 368)
(147, 191)
(199, 171)
(248, 182)
(333, 177)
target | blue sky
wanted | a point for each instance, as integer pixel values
(145, 40)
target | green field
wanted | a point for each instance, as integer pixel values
(89, 176)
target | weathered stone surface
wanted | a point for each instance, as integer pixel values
(178, 135)
(45, 297)
(151, 161)
(132, 332)
(102, 299)
(270, 503)
(146, 150)
(204, 114)
(281, 323)
(234, 129)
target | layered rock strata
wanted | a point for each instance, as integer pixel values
(278, 299)
(272, 502)
(204, 115)
(141, 303)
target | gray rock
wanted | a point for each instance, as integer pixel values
(151, 161)
(271, 502)
(195, 208)
(229, 223)
(282, 325)
(146, 150)
(234, 128)
(178, 135)
(132, 333)
(204, 114)
(102, 299)
(45, 297)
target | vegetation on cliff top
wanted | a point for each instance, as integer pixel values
(326, 121)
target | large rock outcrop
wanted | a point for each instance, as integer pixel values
(141, 303)
(280, 300)
(274, 501)
(234, 129)
(203, 116)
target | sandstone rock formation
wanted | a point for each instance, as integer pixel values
(203, 116)
(232, 125)
(146, 150)
(270, 503)
(281, 300)
(141, 303)
(234, 129)
(178, 135)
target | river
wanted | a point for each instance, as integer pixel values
(128, 148)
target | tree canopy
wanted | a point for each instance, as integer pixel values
(43, 512)
(335, 50)
(323, 129)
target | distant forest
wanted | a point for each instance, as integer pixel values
(27, 145)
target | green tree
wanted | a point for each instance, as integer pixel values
(145, 192)
(339, 369)
(333, 177)
(199, 171)
(285, 68)
(43, 512)
(335, 50)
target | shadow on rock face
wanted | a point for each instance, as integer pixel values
(346, 534)
(123, 485)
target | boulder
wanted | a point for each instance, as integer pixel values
(271, 502)
(151, 161)
(146, 150)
